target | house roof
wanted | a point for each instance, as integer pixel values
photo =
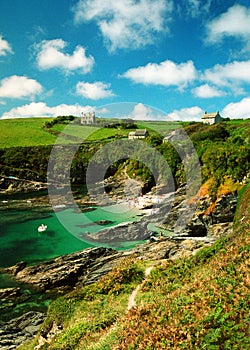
(210, 115)
(139, 132)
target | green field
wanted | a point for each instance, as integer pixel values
(30, 132)
(24, 132)
(163, 128)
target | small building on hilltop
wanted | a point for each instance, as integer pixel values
(173, 135)
(138, 134)
(87, 118)
(211, 118)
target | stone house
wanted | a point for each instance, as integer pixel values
(173, 135)
(211, 118)
(138, 134)
(87, 118)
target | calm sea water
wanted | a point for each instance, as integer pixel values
(21, 241)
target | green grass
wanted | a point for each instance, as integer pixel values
(88, 313)
(90, 133)
(30, 132)
(163, 128)
(24, 132)
(200, 302)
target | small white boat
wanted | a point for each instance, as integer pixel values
(42, 228)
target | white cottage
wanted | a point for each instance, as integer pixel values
(88, 118)
(211, 118)
(138, 134)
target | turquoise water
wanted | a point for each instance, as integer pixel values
(20, 240)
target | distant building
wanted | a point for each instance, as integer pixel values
(138, 134)
(211, 118)
(175, 135)
(87, 118)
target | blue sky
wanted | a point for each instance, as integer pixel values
(179, 58)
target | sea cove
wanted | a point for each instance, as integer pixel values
(21, 241)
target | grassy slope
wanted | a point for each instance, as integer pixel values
(200, 302)
(163, 128)
(30, 132)
(24, 132)
(197, 303)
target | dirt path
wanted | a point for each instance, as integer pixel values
(131, 299)
(131, 304)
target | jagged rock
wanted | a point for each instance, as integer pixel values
(65, 271)
(14, 185)
(220, 230)
(19, 330)
(201, 224)
(225, 209)
(195, 227)
(17, 268)
(126, 232)
(10, 293)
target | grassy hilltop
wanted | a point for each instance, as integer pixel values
(25, 145)
(28, 132)
(24, 132)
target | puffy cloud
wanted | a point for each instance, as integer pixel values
(50, 55)
(142, 112)
(237, 110)
(234, 22)
(126, 23)
(207, 91)
(4, 47)
(186, 114)
(40, 109)
(19, 87)
(165, 73)
(94, 91)
(224, 75)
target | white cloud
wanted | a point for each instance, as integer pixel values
(238, 110)
(142, 112)
(94, 91)
(50, 55)
(186, 114)
(4, 47)
(19, 87)
(40, 109)
(224, 75)
(126, 23)
(207, 91)
(234, 22)
(165, 73)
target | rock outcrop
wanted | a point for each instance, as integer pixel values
(10, 185)
(19, 330)
(66, 271)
